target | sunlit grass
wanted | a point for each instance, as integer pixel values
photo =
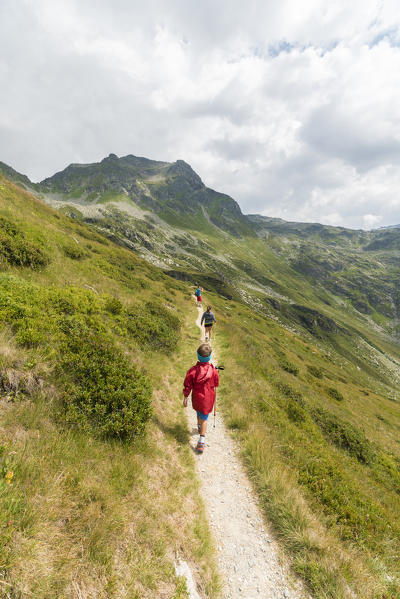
(83, 514)
(330, 492)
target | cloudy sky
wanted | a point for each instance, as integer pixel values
(293, 108)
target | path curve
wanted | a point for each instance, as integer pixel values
(247, 554)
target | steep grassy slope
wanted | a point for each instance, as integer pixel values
(308, 329)
(97, 493)
(166, 213)
(320, 439)
(318, 410)
(359, 266)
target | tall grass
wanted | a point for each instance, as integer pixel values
(101, 501)
(320, 477)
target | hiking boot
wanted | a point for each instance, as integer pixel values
(200, 447)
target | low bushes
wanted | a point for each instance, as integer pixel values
(344, 435)
(154, 326)
(294, 403)
(288, 391)
(341, 499)
(315, 371)
(16, 250)
(334, 393)
(113, 305)
(295, 411)
(102, 388)
(73, 251)
(288, 366)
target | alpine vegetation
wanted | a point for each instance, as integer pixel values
(97, 308)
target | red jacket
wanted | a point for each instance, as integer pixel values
(201, 380)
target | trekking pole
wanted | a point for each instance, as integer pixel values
(215, 402)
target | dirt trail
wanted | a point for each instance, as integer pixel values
(248, 556)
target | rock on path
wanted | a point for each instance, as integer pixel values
(248, 556)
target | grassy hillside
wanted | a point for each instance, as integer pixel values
(97, 491)
(320, 439)
(307, 328)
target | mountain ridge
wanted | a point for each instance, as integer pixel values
(164, 212)
(66, 181)
(162, 187)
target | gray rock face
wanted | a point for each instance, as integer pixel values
(165, 188)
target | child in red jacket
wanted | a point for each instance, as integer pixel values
(201, 380)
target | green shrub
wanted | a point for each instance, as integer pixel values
(295, 411)
(334, 393)
(124, 262)
(113, 305)
(73, 251)
(154, 326)
(288, 366)
(63, 304)
(18, 251)
(288, 391)
(102, 389)
(28, 334)
(17, 298)
(357, 516)
(344, 435)
(72, 300)
(317, 372)
(8, 228)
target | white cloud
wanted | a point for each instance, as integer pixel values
(292, 109)
(371, 220)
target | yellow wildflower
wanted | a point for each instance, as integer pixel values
(9, 476)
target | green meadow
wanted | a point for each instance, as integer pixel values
(95, 462)
(97, 493)
(320, 440)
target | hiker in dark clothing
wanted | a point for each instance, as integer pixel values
(209, 319)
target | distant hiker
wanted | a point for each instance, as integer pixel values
(198, 295)
(201, 380)
(209, 319)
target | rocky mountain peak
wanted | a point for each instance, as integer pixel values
(180, 168)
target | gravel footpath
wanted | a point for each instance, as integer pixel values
(248, 556)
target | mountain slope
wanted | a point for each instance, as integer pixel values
(14, 176)
(312, 278)
(87, 499)
(308, 329)
(171, 190)
(165, 212)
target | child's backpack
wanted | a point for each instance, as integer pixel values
(197, 292)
